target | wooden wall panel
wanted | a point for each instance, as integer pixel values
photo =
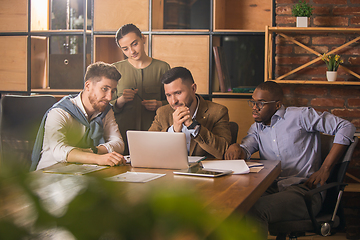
(239, 112)
(39, 46)
(219, 14)
(40, 15)
(13, 16)
(190, 51)
(109, 15)
(158, 14)
(107, 50)
(242, 15)
(13, 62)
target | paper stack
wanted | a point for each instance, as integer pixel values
(237, 166)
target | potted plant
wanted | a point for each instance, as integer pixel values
(302, 11)
(332, 62)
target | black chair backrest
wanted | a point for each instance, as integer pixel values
(20, 120)
(234, 128)
(338, 172)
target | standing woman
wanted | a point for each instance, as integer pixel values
(140, 92)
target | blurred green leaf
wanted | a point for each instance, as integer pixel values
(104, 210)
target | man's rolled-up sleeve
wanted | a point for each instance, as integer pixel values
(112, 136)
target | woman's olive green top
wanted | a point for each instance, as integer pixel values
(133, 115)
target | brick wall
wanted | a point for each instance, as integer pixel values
(327, 13)
(342, 101)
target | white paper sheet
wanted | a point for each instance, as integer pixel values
(255, 167)
(76, 169)
(237, 166)
(135, 177)
(195, 159)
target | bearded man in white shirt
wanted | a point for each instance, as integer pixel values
(82, 128)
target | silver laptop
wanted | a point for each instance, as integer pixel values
(157, 149)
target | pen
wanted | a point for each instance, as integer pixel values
(138, 95)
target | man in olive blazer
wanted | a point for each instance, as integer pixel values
(205, 123)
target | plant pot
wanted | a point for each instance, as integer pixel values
(302, 21)
(331, 75)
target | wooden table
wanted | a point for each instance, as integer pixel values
(223, 195)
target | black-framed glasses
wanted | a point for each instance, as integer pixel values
(259, 104)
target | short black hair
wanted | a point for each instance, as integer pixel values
(98, 70)
(273, 88)
(177, 72)
(125, 29)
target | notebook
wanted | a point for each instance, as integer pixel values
(158, 149)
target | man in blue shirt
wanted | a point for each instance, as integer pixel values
(291, 135)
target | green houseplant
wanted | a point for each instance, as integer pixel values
(302, 11)
(332, 62)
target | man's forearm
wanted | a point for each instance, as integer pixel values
(82, 156)
(321, 176)
(120, 102)
(334, 155)
(102, 149)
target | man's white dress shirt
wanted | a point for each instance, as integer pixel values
(63, 133)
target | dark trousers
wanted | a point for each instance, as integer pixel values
(274, 206)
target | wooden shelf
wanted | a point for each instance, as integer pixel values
(46, 90)
(352, 187)
(317, 82)
(61, 31)
(175, 31)
(188, 47)
(283, 31)
(231, 94)
(224, 31)
(312, 30)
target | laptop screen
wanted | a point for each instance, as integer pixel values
(157, 149)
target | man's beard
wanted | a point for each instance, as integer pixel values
(257, 119)
(95, 104)
(187, 104)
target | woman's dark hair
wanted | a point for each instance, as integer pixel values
(126, 29)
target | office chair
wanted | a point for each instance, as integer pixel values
(19, 122)
(234, 128)
(331, 214)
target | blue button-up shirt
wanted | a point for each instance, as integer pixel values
(293, 137)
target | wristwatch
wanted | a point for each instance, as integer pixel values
(193, 125)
